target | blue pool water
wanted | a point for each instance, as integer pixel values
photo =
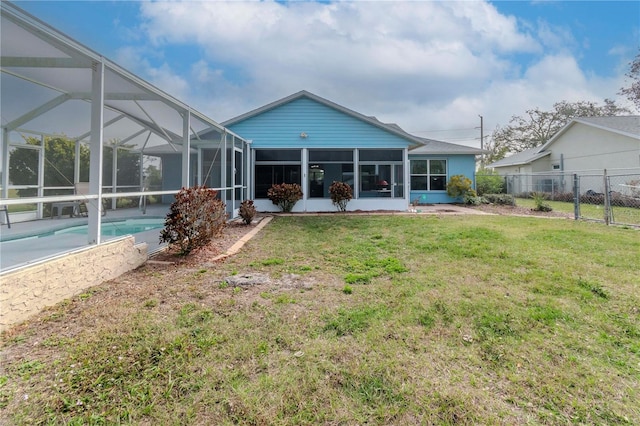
(108, 229)
(117, 229)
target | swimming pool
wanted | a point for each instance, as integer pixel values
(108, 229)
(117, 229)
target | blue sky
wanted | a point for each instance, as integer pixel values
(431, 67)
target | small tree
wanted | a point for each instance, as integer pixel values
(195, 218)
(489, 181)
(247, 211)
(341, 193)
(460, 186)
(632, 91)
(540, 200)
(285, 195)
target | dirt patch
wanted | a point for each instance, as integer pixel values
(518, 211)
(232, 233)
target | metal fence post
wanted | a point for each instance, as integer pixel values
(576, 196)
(607, 199)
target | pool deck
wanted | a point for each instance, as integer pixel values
(17, 253)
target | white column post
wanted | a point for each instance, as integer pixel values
(96, 144)
(199, 167)
(5, 162)
(41, 159)
(223, 167)
(407, 176)
(76, 163)
(304, 169)
(186, 148)
(114, 174)
(248, 173)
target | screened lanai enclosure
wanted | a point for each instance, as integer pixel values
(81, 136)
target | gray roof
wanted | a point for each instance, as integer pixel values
(432, 146)
(625, 124)
(628, 125)
(519, 158)
(421, 145)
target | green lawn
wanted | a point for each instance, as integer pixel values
(378, 320)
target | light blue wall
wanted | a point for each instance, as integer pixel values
(456, 165)
(325, 128)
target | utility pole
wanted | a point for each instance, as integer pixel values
(481, 142)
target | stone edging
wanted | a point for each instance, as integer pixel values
(235, 248)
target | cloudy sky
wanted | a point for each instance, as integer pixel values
(432, 67)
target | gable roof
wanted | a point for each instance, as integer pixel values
(432, 146)
(519, 158)
(627, 125)
(426, 146)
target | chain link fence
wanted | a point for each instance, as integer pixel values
(610, 198)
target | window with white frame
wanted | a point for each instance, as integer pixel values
(276, 166)
(380, 173)
(429, 175)
(327, 166)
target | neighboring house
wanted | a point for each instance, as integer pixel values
(308, 140)
(585, 146)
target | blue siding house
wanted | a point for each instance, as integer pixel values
(308, 140)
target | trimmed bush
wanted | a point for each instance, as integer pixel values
(194, 219)
(566, 197)
(341, 193)
(285, 195)
(247, 211)
(460, 186)
(500, 199)
(472, 201)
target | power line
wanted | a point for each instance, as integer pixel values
(442, 130)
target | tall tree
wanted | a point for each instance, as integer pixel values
(59, 155)
(536, 127)
(633, 91)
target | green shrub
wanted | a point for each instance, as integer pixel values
(540, 198)
(489, 182)
(566, 197)
(460, 186)
(195, 218)
(285, 195)
(500, 199)
(341, 193)
(247, 211)
(472, 200)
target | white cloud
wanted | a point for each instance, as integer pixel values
(423, 65)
